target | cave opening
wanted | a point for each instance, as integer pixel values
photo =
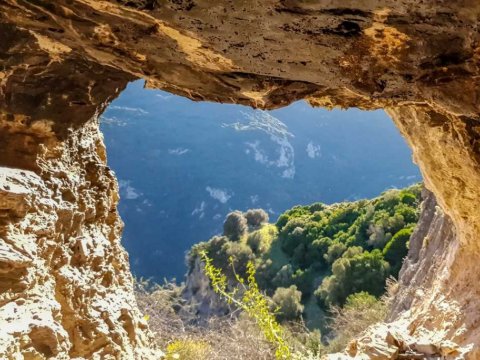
(182, 166)
(65, 281)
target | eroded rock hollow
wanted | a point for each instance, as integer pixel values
(65, 284)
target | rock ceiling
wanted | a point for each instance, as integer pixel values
(65, 284)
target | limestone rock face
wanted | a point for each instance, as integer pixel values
(65, 284)
(65, 287)
(418, 297)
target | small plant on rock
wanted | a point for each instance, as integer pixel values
(252, 302)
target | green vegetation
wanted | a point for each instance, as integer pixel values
(188, 350)
(172, 321)
(356, 270)
(252, 302)
(256, 217)
(235, 226)
(359, 312)
(397, 248)
(327, 267)
(241, 337)
(288, 303)
(318, 254)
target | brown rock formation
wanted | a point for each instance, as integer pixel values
(65, 287)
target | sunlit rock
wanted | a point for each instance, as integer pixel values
(66, 288)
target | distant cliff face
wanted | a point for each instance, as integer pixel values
(65, 287)
(412, 325)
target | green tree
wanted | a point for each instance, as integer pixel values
(235, 225)
(409, 214)
(316, 251)
(304, 279)
(408, 198)
(282, 221)
(299, 255)
(354, 272)
(283, 277)
(396, 249)
(255, 241)
(240, 255)
(293, 234)
(334, 251)
(222, 251)
(256, 217)
(288, 302)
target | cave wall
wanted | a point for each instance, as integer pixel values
(65, 285)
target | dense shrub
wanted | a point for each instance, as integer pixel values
(334, 251)
(337, 249)
(397, 249)
(221, 249)
(214, 247)
(235, 226)
(360, 311)
(256, 217)
(377, 236)
(282, 221)
(304, 280)
(317, 250)
(354, 272)
(293, 234)
(409, 213)
(261, 239)
(299, 255)
(240, 254)
(408, 198)
(318, 206)
(284, 277)
(255, 241)
(288, 301)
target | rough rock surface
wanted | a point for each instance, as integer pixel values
(422, 272)
(200, 297)
(65, 288)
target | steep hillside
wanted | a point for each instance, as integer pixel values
(325, 253)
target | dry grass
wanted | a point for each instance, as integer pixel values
(231, 337)
(350, 322)
(238, 337)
